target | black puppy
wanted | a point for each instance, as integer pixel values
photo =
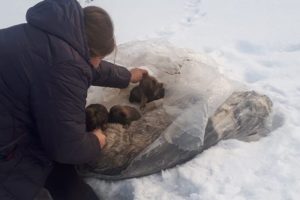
(148, 90)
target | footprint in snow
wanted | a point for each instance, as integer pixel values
(193, 13)
(192, 8)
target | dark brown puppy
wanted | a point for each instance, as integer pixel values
(148, 90)
(96, 116)
(123, 115)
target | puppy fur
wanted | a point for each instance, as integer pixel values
(123, 115)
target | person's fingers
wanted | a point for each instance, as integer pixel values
(101, 137)
(102, 140)
(137, 74)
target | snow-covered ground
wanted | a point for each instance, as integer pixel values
(255, 42)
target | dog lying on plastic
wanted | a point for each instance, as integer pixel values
(242, 116)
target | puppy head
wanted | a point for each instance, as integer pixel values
(148, 88)
(96, 117)
(123, 114)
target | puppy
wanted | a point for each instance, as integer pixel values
(148, 90)
(123, 115)
(96, 117)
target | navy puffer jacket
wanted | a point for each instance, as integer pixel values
(44, 78)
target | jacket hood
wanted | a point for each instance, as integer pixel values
(62, 18)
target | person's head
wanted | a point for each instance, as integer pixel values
(100, 33)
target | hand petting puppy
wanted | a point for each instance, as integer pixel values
(137, 74)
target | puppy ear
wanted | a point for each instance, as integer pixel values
(135, 95)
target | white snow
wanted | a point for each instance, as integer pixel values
(255, 42)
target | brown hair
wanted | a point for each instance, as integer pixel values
(99, 31)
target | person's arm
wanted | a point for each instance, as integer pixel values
(111, 75)
(58, 106)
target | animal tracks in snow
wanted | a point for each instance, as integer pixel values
(192, 8)
(192, 13)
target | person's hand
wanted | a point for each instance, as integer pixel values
(137, 74)
(101, 137)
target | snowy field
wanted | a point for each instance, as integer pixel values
(255, 42)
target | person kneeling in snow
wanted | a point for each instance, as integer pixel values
(46, 68)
